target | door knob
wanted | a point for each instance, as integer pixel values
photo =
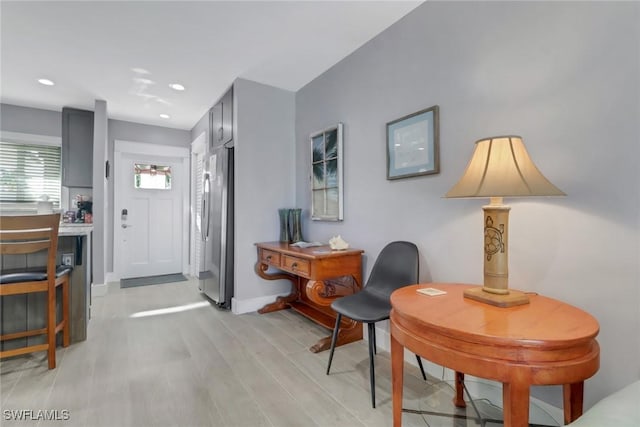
(125, 225)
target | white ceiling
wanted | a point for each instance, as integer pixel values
(128, 52)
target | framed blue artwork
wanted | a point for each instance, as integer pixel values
(413, 145)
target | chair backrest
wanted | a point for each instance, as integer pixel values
(397, 265)
(29, 234)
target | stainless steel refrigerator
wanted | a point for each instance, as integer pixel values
(216, 225)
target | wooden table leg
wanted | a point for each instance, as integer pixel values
(572, 395)
(397, 380)
(280, 302)
(515, 396)
(347, 334)
(458, 399)
(322, 294)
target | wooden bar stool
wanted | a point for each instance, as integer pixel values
(29, 235)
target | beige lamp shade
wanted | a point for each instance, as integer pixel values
(501, 167)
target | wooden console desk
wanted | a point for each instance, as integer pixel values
(312, 293)
(545, 342)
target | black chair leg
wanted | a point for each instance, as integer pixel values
(334, 339)
(424, 377)
(372, 373)
(372, 336)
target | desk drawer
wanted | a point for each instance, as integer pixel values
(296, 265)
(270, 257)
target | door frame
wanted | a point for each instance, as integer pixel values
(122, 147)
(198, 146)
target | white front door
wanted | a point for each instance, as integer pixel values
(148, 214)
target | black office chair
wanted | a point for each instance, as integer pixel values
(395, 267)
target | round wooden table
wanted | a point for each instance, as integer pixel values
(545, 342)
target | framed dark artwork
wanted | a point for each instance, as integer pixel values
(413, 144)
(326, 174)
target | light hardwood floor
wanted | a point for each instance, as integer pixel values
(207, 367)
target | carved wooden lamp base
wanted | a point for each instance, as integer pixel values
(496, 271)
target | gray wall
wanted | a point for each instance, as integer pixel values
(45, 122)
(30, 120)
(564, 76)
(128, 131)
(101, 205)
(201, 126)
(264, 127)
(263, 138)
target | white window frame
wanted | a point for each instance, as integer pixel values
(29, 138)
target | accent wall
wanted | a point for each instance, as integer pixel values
(564, 76)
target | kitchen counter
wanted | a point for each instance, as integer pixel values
(18, 311)
(76, 238)
(75, 229)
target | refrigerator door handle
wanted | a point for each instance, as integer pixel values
(203, 209)
(204, 214)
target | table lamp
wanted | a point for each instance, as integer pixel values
(500, 167)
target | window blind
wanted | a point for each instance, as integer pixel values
(28, 172)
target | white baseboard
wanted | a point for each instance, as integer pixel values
(477, 386)
(112, 277)
(240, 306)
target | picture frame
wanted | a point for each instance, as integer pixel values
(327, 174)
(413, 144)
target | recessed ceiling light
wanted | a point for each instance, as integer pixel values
(46, 82)
(176, 86)
(165, 116)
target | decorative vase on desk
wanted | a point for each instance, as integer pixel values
(284, 225)
(296, 225)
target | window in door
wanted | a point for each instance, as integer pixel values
(152, 177)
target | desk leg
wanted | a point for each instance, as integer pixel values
(573, 398)
(515, 398)
(280, 302)
(397, 380)
(350, 331)
(322, 294)
(458, 399)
